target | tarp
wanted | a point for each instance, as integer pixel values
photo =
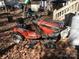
(13, 3)
(26, 1)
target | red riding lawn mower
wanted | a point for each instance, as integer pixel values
(37, 30)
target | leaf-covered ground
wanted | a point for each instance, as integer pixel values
(20, 51)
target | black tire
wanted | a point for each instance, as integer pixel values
(17, 37)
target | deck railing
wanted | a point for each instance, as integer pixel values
(70, 8)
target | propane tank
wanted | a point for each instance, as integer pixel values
(74, 32)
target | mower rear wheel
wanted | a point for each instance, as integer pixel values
(17, 37)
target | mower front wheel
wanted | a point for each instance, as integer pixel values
(17, 37)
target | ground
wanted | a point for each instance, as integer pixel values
(20, 51)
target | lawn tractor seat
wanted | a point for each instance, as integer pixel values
(21, 24)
